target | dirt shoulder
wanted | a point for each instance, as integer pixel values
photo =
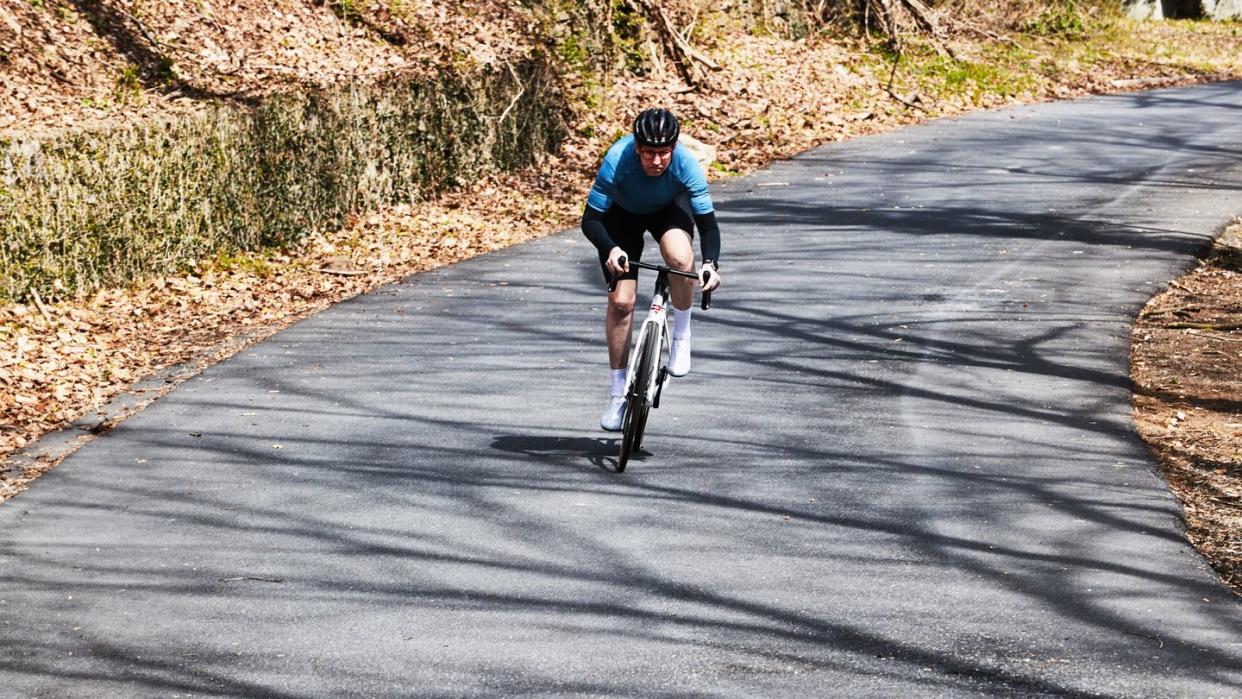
(1185, 351)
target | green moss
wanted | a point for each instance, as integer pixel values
(627, 34)
(347, 10)
(127, 85)
(976, 79)
(1060, 20)
(400, 9)
(257, 264)
(1074, 19)
(573, 52)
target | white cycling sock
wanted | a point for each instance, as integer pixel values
(618, 381)
(681, 321)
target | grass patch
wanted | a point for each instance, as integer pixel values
(255, 263)
(1002, 72)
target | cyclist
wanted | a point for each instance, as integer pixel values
(649, 183)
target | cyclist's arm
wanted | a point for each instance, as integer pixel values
(709, 235)
(595, 231)
(690, 173)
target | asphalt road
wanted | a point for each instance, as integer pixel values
(903, 463)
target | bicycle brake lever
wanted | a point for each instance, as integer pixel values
(614, 278)
(707, 295)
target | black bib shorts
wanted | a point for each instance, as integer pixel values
(627, 228)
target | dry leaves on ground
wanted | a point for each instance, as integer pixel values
(65, 64)
(1186, 348)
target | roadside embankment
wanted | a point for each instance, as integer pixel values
(81, 210)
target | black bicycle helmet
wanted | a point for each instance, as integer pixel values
(656, 128)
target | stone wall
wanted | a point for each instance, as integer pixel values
(1184, 9)
(1222, 9)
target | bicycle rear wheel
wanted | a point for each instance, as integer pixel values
(637, 404)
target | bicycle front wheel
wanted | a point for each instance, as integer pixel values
(637, 402)
(651, 360)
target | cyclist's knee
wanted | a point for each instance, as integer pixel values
(621, 305)
(679, 257)
(682, 264)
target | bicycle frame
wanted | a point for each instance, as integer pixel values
(656, 322)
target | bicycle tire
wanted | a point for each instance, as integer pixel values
(628, 429)
(636, 404)
(651, 359)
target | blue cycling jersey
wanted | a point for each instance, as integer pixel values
(621, 180)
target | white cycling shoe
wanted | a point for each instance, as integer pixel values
(614, 414)
(679, 356)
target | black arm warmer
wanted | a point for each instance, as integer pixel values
(594, 230)
(709, 235)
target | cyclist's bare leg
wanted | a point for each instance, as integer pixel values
(617, 322)
(679, 254)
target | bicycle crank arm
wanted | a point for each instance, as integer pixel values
(661, 379)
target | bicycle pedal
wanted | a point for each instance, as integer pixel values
(661, 379)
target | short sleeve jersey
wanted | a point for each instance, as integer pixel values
(621, 180)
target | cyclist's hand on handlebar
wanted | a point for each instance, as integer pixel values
(712, 281)
(617, 262)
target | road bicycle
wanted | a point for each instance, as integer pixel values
(648, 365)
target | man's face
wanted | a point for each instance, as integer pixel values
(655, 160)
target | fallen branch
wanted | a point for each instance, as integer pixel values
(1218, 338)
(923, 17)
(1206, 326)
(142, 28)
(684, 44)
(342, 272)
(684, 54)
(892, 74)
(904, 101)
(1157, 639)
(886, 12)
(521, 91)
(38, 301)
(889, 87)
(920, 13)
(1174, 309)
(883, 12)
(988, 33)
